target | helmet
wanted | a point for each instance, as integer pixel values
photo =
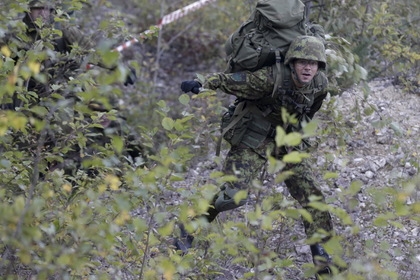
(307, 47)
(42, 4)
(38, 4)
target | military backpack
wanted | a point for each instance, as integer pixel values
(270, 29)
(263, 40)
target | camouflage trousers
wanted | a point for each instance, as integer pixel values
(247, 164)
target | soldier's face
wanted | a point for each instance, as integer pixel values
(306, 70)
(43, 13)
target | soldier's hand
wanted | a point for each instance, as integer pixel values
(193, 86)
(131, 77)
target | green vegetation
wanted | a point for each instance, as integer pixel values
(118, 222)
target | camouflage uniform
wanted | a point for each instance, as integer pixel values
(62, 63)
(250, 129)
(248, 162)
(58, 67)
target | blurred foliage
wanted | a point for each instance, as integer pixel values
(118, 222)
(383, 35)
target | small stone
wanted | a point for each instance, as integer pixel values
(369, 174)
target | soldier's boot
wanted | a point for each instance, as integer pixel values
(321, 260)
(184, 242)
(222, 201)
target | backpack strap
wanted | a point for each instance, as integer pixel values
(282, 82)
(282, 75)
(278, 79)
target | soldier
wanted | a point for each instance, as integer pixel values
(61, 51)
(59, 65)
(250, 129)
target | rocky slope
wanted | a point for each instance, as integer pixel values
(372, 152)
(382, 153)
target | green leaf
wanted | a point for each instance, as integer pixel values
(293, 139)
(169, 269)
(281, 177)
(179, 125)
(140, 225)
(306, 215)
(161, 103)
(39, 110)
(221, 178)
(401, 209)
(176, 178)
(396, 128)
(184, 99)
(280, 135)
(18, 122)
(292, 213)
(342, 215)
(201, 79)
(383, 219)
(355, 187)
(266, 223)
(295, 157)
(168, 123)
(240, 196)
(309, 129)
(397, 225)
(330, 175)
(118, 143)
(319, 205)
(274, 165)
(167, 229)
(64, 260)
(25, 257)
(110, 58)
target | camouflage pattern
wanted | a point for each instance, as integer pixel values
(246, 84)
(247, 165)
(60, 66)
(259, 84)
(247, 162)
(34, 4)
(309, 48)
(73, 36)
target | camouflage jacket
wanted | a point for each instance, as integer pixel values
(257, 87)
(61, 52)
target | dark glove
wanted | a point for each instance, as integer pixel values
(131, 77)
(193, 86)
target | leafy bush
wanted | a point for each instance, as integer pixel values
(383, 34)
(113, 215)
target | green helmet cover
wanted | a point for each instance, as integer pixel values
(309, 48)
(40, 4)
